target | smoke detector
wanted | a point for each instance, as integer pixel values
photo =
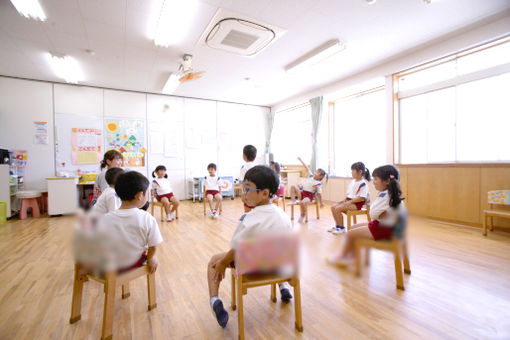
(239, 34)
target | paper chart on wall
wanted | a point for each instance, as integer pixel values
(86, 146)
(41, 133)
(128, 137)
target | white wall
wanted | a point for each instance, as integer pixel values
(185, 128)
(21, 103)
(477, 34)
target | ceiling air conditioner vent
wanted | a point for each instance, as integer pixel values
(236, 33)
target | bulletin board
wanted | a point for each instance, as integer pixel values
(86, 146)
(128, 137)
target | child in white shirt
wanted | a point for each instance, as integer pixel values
(312, 186)
(259, 185)
(357, 194)
(385, 212)
(249, 155)
(109, 200)
(212, 189)
(132, 233)
(163, 190)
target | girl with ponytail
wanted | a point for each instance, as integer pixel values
(384, 212)
(357, 195)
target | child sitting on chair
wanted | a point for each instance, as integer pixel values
(109, 200)
(249, 155)
(259, 185)
(212, 189)
(163, 190)
(281, 188)
(311, 187)
(384, 212)
(357, 194)
(132, 233)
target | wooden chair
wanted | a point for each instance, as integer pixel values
(314, 201)
(204, 200)
(353, 213)
(110, 282)
(276, 201)
(498, 198)
(397, 245)
(154, 202)
(265, 255)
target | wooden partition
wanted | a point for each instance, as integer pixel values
(454, 193)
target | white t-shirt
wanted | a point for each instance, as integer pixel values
(312, 185)
(262, 220)
(382, 204)
(247, 166)
(357, 189)
(212, 183)
(161, 186)
(101, 180)
(108, 201)
(129, 233)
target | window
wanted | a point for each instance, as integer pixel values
(292, 135)
(360, 131)
(456, 109)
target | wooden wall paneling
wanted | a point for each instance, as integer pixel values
(494, 178)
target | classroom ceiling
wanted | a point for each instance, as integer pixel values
(125, 58)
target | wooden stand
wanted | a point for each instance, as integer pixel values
(317, 209)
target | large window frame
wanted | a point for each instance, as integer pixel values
(452, 82)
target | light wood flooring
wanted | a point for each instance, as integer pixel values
(459, 287)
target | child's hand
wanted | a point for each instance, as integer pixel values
(153, 265)
(299, 159)
(220, 271)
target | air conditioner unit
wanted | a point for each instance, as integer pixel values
(236, 33)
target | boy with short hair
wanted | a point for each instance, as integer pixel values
(109, 201)
(132, 233)
(212, 189)
(249, 155)
(260, 184)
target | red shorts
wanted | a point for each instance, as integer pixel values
(358, 205)
(281, 191)
(307, 194)
(211, 192)
(137, 264)
(379, 232)
(169, 196)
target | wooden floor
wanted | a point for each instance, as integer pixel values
(459, 287)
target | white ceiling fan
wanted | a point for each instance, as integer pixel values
(185, 74)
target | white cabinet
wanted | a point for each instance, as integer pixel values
(62, 195)
(5, 188)
(290, 178)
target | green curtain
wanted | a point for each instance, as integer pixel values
(316, 105)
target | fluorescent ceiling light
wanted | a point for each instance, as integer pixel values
(30, 9)
(171, 84)
(170, 21)
(316, 56)
(65, 67)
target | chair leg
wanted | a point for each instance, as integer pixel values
(204, 206)
(233, 292)
(23, 209)
(240, 314)
(162, 213)
(273, 292)
(151, 290)
(283, 200)
(407, 267)
(398, 270)
(484, 232)
(35, 207)
(306, 213)
(297, 305)
(318, 210)
(357, 250)
(491, 228)
(367, 256)
(177, 213)
(292, 212)
(125, 291)
(77, 295)
(348, 218)
(354, 219)
(109, 304)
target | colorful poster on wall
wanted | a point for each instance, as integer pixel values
(86, 146)
(128, 137)
(41, 133)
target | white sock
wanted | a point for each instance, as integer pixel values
(213, 299)
(283, 285)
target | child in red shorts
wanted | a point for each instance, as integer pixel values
(164, 194)
(212, 190)
(384, 212)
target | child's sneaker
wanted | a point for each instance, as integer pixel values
(221, 313)
(332, 229)
(170, 217)
(301, 219)
(215, 216)
(212, 214)
(339, 230)
(286, 295)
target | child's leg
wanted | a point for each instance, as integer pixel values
(295, 192)
(166, 204)
(175, 202)
(218, 201)
(211, 282)
(210, 200)
(302, 205)
(338, 209)
(361, 231)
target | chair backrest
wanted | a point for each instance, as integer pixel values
(499, 197)
(267, 254)
(400, 229)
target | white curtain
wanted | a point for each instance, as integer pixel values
(270, 124)
(316, 105)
